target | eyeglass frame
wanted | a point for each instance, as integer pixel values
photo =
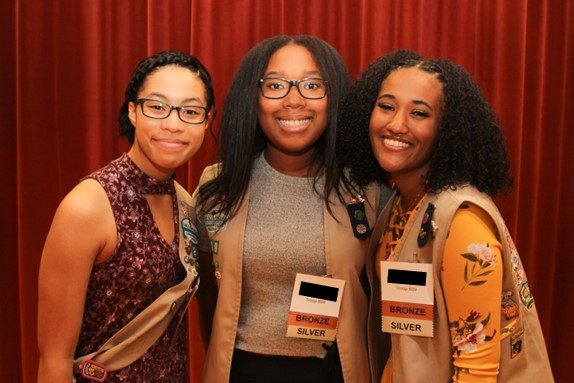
(140, 102)
(293, 83)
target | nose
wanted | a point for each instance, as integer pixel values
(293, 97)
(398, 124)
(172, 121)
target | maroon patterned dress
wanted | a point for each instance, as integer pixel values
(143, 266)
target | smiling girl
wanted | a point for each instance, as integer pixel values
(424, 128)
(117, 240)
(273, 209)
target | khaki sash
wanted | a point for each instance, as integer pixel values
(138, 335)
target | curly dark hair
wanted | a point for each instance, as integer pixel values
(149, 65)
(241, 137)
(469, 147)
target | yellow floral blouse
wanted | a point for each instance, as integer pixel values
(472, 284)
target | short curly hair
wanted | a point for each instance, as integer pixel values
(149, 65)
(469, 146)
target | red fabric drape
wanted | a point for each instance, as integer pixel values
(65, 65)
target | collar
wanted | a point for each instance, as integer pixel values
(141, 181)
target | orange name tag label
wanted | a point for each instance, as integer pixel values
(322, 321)
(407, 310)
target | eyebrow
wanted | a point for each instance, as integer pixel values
(306, 73)
(416, 102)
(159, 95)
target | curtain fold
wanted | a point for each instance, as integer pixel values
(9, 322)
(65, 65)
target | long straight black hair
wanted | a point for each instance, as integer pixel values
(241, 137)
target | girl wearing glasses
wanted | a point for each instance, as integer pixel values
(115, 244)
(273, 210)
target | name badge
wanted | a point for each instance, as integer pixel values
(407, 299)
(315, 305)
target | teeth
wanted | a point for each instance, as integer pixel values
(398, 144)
(294, 122)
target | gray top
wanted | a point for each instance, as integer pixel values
(284, 235)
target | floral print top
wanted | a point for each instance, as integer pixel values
(472, 284)
(143, 266)
(471, 279)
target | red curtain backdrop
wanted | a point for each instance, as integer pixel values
(64, 65)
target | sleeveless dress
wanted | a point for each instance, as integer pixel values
(143, 266)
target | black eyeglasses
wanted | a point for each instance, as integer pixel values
(275, 87)
(190, 114)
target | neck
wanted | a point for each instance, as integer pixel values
(303, 165)
(148, 167)
(412, 189)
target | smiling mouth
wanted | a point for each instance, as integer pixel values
(396, 143)
(170, 144)
(293, 124)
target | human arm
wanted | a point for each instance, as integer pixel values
(472, 284)
(82, 233)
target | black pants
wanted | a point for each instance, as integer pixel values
(247, 367)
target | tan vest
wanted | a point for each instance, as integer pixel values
(529, 360)
(345, 258)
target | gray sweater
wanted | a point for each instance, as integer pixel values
(284, 236)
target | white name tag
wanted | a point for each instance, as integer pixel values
(315, 306)
(407, 298)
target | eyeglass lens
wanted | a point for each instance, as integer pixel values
(187, 113)
(312, 88)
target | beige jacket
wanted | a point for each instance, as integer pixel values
(410, 364)
(345, 259)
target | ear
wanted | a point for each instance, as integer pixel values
(210, 118)
(132, 113)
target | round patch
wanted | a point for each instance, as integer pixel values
(361, 229)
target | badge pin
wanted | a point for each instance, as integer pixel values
(428, 226)
(358, 217)
(189, 260)
(216, 267)
(184, 208)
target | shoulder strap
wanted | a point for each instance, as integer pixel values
(132, 340)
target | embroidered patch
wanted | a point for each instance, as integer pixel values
(520, 280)
(518, 273)
(93, 371)
(191, 236)
(516, 343)
(526, 295)
(215, 221)
(509, 308)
